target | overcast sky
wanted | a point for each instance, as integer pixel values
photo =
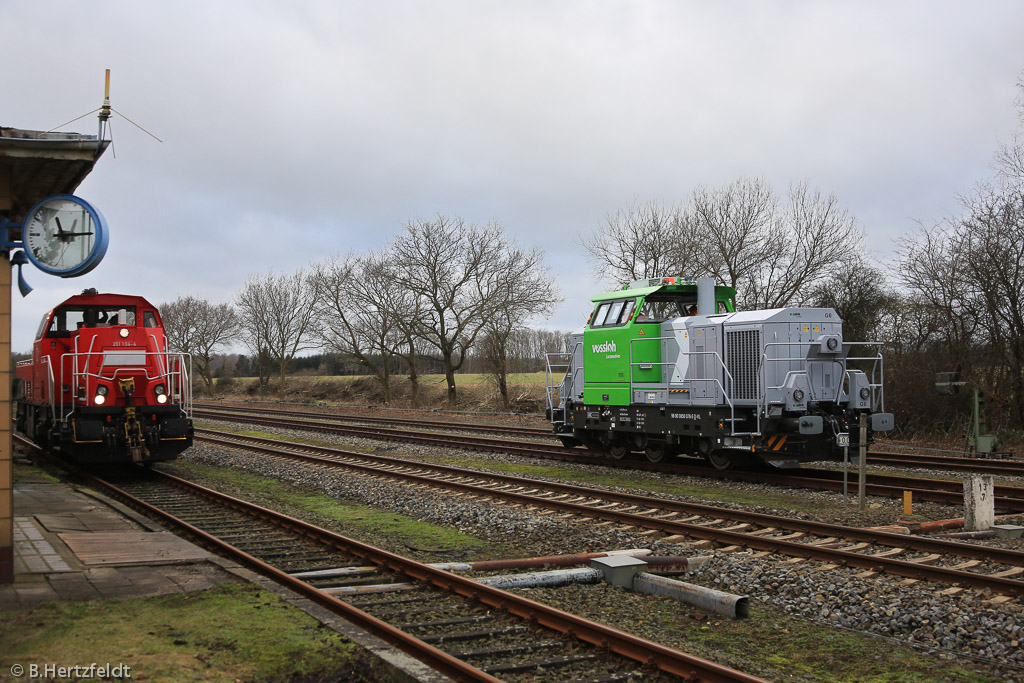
(294, 131)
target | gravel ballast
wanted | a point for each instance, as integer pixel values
(964, 627)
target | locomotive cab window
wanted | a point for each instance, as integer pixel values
(149, 319)
(613, 313)
(67, 319)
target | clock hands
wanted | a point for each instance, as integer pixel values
(67, 235)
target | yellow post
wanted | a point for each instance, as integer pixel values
(908, 503)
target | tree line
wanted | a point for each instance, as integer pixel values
(440, 290)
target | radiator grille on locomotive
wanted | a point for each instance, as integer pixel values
(742, 357)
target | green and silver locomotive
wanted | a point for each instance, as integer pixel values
(668, 366)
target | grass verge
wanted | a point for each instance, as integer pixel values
(226, 633)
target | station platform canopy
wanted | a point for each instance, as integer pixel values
(35, 165)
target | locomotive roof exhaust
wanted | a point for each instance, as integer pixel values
(706, 296)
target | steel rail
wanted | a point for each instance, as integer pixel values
(408, 422)
(932, 490)
(838, 556)
(625, 644)
(1010, 468)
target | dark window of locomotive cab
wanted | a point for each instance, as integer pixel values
(613, 313)
(63, 322)
(149, 319)
(116, 316)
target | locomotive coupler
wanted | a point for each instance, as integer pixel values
(133, 436)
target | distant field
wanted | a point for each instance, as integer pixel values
(475, 391)
(468, 379)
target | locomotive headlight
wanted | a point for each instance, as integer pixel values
(832, 343)
(798, 395)
(161, 393)
(101, 390)
(123, 332)
(99, 399)
(865, 393)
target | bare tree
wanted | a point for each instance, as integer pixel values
(933, 269)
(524, 291)
(992, 236)
(643, 241)
(1009, 159)
(737, 234)
(774, 256)
(737, 229)
(861, 297)
(198, 327)
(459, 274)
(366, 315)
(277, 317)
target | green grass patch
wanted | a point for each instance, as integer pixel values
(709, 491)
(226, 633)
(349, 516)
(803, 648)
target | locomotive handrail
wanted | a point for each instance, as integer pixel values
(842, 363)
(549, 372)
(715, 380)
(177, 379)
(49, 384)
(548, 390)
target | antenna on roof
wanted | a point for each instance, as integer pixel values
(105, 109)
(105, 116)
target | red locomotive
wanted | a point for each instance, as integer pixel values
(102, 385)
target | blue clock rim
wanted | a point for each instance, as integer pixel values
(99, 247)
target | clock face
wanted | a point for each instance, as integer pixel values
(64, 236)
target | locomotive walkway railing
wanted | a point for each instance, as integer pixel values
(552, 369)
(88, 368)
(877, 387)
(713, 381)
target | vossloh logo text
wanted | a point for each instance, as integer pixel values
(607, 347)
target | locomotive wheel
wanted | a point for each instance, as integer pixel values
(721, 460)
(655, 452)
(618, 451)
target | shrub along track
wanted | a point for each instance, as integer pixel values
(462, 628)
(1007, 498)
(916, 558)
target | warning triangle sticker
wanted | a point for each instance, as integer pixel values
(641, 332)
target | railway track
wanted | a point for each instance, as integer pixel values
(465, 629)
(915, 558)
(1008, 498)
(1007, 467)
(522, 431)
